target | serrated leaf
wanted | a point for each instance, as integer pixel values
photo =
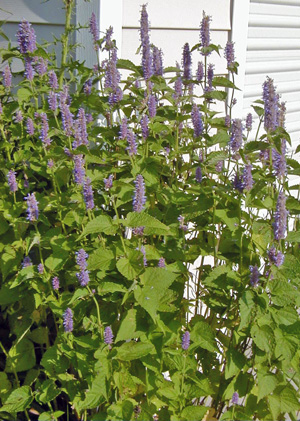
(21, 357)
(18, 400)
(142, 219)
(103, 259)
(23, 95)
(259, 110)
(194, 412)
(263, 337)
(128, 268)
(5, 386)
(202, 335)
(134, 350)
(235, 363)
(46, 416)
(223, 81)
(266, 384)
(256, 146)
(102, 223)
(247, 306)
(47, 392)
(96, 393)
(127, 327)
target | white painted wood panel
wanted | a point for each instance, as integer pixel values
(274, 32)
(269, 9)
(171, 43)
(177, 13)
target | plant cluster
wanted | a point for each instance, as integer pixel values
(149, 268)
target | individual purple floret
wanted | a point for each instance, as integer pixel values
(123, 129)
(205, 33)
(79, 171)
(81, 259)
(26, 37)
(249, 122)
(68, 320)
(41, 66)
(185, 341)
(108, 182)
(94, 30)
(235, 398)
(210, 74)
(55, 283)
(44, 136)
(87, 87)
(7, 77)
(229, 54)
(187, 62)
(132, 145)
(29, 71)
(161, 263)
(12, 181)
(270, 98)
(88, 194)
(29, 126)
(198, 174)
(254, 275)
(157, 61)
(200, 72)
(275, 256)
(19, 116)
(238, 183)
(26, 262)
(281, 214)
(108, 335)
(145, 127)
(152, 106)
(53, 80)
(236, 139)
(247, 177)
(40, 268)
(80, 132)
(139, 198)
(32, 207)
(181, 223)
(197, 121)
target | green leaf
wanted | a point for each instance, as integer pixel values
(223, 81)
(288, 398)
(224, 215)
(191, 413)
(47, 392)
(103, 259)
(151, 224)
(57, 260)
(46, 416)
(128, 326)
(21, 357)
(247, 306)
(293, 237)
(202, 335)
(23, 95)
(18, 400)
(39, 335)
(235, 363)
(266, 384)
(255, 146)
(259, 110)
(5, 386)
(134, 350)
(130, 269)
(3, 224)
(102, 223)
(155, 282)
(96, 394)
(263, 337)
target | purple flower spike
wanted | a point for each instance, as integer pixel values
(67, 119)
(152, 106)
(19, 116)
(178, 85)
(12, 182)
(80, 132)
(143, 251)
(50, 163)
(81, 256)
(281, 116)
(181, 223)
(138, 231)
(238, 183)
(108, 182)
(132, 145)
(281, 214)
(247, 177)
(44, 130)
(236, 139)
(94, 30)
(270, 98)
(53, 80)
(83, 277)
(157, 61)
(88, 194)
(123, 129)
(185, 341)
(249, 122)
(227, 120)
(139, 198)
(108, 335)
(109, 44)
(147, 58)
(26, 262)
(187, 62)
(79, 171)
(197, 121)
(200, 72)
(219, 166)
(235, 398)
(41, 66)
(278, 159)
(145, 127)
(198, 175)
(254, 275)
(26, 38)
(210, 74)
(7, 77)
(55, 283)
(32, 207)
(205, 32)
(40, 268)
(87, 87)
(229, 54)
(29, 126)
(161, 263)
(275, 256)
(68, 320)
(52, 100)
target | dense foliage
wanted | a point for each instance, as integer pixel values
(146, 268)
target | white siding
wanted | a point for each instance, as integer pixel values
(273, 49)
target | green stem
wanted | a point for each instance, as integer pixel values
(98, 311)
(65, 39)
(119, 224)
